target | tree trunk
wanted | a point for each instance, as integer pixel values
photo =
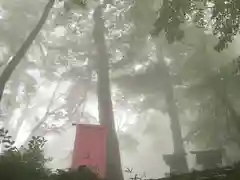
(106, 117)
(172, 108)
(7, 72)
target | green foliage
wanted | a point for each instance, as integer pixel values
(25, 164)
(225, 173)
(29, 163)
(211, 91)
(224, 18)
(78, 3)
(82, 173)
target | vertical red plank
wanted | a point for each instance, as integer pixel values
(90, 148)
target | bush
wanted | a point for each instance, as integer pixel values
(225, 173)
(82, 173)
(29, 163)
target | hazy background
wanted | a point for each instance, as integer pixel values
(174, 76)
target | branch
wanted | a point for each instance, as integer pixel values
(44, 118)
(14, 62)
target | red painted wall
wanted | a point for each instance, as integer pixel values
(90, 148)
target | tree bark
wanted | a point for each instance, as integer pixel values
(14, 62)
(106, 117)
(172, 109)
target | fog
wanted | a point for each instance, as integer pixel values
(151, 148)
(160, 76)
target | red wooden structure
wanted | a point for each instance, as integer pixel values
(90, 148)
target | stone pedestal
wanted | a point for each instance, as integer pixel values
(208, 159)
(176, 162)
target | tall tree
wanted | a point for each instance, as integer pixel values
(211, 91)
(154, 75)
(16, 59)
(106, 116)
(172, 108)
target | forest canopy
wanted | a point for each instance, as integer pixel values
(162, 76)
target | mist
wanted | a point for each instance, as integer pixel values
(160, 76)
